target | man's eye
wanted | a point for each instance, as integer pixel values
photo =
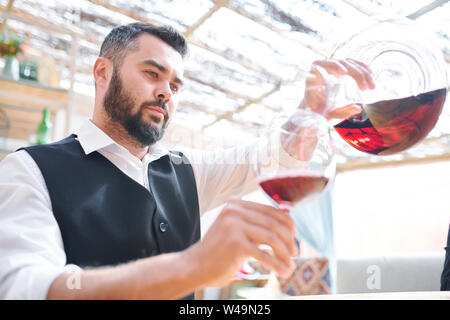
(174, 88)
(153, 74)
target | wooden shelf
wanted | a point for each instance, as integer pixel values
(23, 101)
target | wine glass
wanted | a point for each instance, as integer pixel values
(299, 161)
(295, 167)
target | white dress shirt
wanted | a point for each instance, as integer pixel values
(31, 248)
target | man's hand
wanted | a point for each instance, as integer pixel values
(235, 236)
(324, 71)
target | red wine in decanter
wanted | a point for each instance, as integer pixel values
(391, 126)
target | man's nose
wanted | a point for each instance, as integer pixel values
(163, 93)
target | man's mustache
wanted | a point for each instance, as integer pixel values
(156, 103)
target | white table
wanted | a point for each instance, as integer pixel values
(415, 295)
(260, 293)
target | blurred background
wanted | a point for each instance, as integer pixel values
(246, 66)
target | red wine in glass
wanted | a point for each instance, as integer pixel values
(390, 126)
(288, 190)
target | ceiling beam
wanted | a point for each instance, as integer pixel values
(436, 139)
(217, 87)
(105, 4)
(365, 163)
(360, 7)
(241, 60)
(7, 13)
(228, 116)
(196, 107)
(44, 24)
(429, 7)
(311, 43)
(229, 93)
(217, 5)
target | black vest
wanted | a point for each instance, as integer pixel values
(107, 218)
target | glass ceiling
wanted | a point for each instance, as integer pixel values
(245, 55)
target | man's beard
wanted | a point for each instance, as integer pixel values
(119, 104)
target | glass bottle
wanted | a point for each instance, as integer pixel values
(44, 131)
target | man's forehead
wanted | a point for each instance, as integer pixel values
(151, 47)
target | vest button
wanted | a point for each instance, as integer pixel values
(163, 226)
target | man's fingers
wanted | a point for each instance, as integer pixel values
(271, 261)
(362, 64)
(365, 72)
(358, 73)
(268, 212)
(356, 69)
(281, 231)
(263, 224)
(284, 249)
(331, 66)
(275, 221)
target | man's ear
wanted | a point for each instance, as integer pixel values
(102, 71)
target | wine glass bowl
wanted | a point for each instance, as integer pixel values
(300, 162)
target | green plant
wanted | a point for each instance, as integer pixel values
(10, 44)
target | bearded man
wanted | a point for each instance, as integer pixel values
(109, 213)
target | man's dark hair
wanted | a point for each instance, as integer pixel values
(123, 38)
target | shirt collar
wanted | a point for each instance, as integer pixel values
(92, 138)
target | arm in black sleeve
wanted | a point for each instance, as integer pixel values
(445, 278)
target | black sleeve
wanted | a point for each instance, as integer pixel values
(445, 278)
